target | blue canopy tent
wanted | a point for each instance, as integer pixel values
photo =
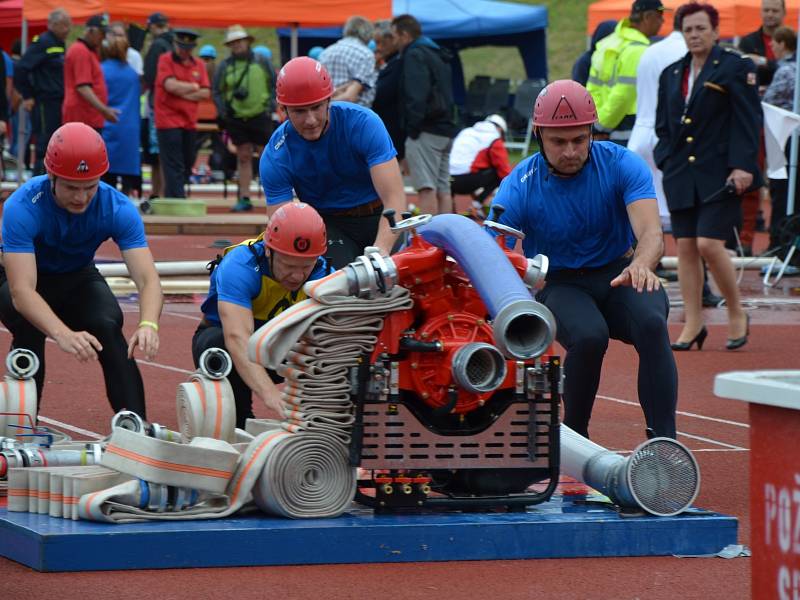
(458, 24)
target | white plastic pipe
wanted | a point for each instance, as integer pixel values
(747, 262)
(165, 268)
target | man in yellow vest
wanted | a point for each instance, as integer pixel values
(253, 282)
(612, 76)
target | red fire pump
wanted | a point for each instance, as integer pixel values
(458, 404)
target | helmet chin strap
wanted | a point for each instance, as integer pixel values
(551, 167)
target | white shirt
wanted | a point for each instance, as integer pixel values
(135, 61)
(643, 137)
(468, 143)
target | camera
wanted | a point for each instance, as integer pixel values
(240, 93)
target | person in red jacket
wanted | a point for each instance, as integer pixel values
(479, 161)
(85, 92)
(181, 84)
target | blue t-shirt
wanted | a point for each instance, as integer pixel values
(331, 173)
(579, 221)
(243, 277)
(64, 242)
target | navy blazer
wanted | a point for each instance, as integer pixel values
(718, 130)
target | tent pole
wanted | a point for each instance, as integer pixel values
(293, 44)
(21, 115)
(790, 198)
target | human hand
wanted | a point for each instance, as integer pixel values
(637, 276)
(741, 179)
(28, 104)
(271, 397)
(146, 339)
(82, 344)
(111, 114)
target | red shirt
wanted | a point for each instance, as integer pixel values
(171, 111)
(495, 156)
(768, 53)
(82, 67)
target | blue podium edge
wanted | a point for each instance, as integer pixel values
(551, 530)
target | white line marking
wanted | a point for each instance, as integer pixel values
(681, 412)
(70, 427)
(710, 441)
(160, 366)
(721, 450)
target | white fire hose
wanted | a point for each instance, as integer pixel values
(296, 468)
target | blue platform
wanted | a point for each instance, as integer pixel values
(560, 528)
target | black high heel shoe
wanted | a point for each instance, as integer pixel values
(699, 339)
(741, 341)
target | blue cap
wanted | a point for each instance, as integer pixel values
(207, 51)
(263, 52)
(315, 52)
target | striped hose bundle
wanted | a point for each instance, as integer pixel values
(206, 408)
(18, 395)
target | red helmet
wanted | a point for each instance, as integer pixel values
(564, 103)
(298, 230)
(76, 151)
(303, 81)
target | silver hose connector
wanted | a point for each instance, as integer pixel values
(661, 476)
(478, 367)
(215, 363)
(524, 329)
(371, 275)
(22, 363)
(537, 271)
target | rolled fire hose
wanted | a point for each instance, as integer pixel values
(661, 476)
(18, 395)
(206, 406)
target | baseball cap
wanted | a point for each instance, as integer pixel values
(207, 51)
(98, 21)
(157, 18)
(185, 38)
(644, 5)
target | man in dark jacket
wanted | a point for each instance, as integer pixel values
(387, 101)
(427, 109)
(161, 42)
(580, 70)
(39, 78)
(756, 45)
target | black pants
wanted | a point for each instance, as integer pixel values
(588, 312)
(206, 337)
(129, 182)
(46, 118)
(469, 182)
(84, 302)
(348, 236)
(176, 152)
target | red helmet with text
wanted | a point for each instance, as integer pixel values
(303, 81)
(298, 230)
(76, 151)
(564, 103)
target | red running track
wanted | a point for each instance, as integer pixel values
(715, 428)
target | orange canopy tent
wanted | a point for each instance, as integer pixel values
(736, 17)
(254, 13)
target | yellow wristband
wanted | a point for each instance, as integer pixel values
(153, 325)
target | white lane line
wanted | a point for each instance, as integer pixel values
(166, 312)
(710, 441)
(696, 450)
(160, 366)
(682, 413)
(72, 428)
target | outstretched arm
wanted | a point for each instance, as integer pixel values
(21, 274)
(646, 225)
(388, 183)
(143, 272)
(237, 327)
